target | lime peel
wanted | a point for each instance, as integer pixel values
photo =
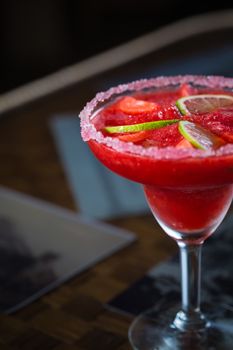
(140, 127)
(202, 103)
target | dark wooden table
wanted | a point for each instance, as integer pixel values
(73, 316)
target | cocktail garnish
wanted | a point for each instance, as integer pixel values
(140, 127)
(196, 104)
(186, 90)
(131, 105)
(198, 136)
(184, 143)
(134, 137)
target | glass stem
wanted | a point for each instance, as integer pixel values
(190, 316)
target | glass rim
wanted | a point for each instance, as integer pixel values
(90, 133)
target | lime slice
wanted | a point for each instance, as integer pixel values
(140, 127)
(202, 103)
(198, 136)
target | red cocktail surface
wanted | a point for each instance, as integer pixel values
(187, 182)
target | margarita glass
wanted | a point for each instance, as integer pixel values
(189, 191)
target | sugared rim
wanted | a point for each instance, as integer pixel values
(89, 132)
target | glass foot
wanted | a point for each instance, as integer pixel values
(154, 330)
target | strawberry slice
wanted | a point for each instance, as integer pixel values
(186, 90)
(135, 137)
(131, 105)
(184, 144)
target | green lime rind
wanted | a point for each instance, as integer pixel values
(140, 127)
(196, 135)
(209, 101)
(180, 104)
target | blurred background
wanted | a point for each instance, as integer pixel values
(40, 37)
(41, 150)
